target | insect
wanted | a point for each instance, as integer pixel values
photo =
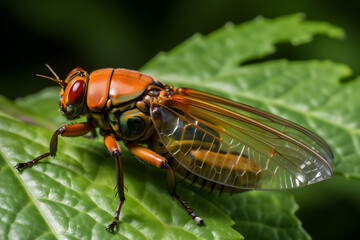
(213, 141)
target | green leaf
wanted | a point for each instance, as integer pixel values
(29, 116)
(203, 59)
(71, 196)
(45, 104)
(263, 215)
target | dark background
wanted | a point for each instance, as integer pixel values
(96, 34)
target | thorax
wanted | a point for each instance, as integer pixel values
(118, 104)
(129, 121)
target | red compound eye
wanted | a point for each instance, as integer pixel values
(76, 93)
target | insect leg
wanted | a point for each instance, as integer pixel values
(115, 151)
(158, 161)
(74, 130)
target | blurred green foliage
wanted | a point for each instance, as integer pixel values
(95, 34)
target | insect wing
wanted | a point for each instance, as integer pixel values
(222, 144)
(289, 128)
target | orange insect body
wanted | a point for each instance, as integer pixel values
(215, 142)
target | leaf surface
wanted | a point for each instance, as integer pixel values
(72, 196)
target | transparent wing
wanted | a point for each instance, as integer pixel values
(236, 145)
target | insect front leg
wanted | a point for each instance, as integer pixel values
(114, 149)
(156, 160)
(73, 130)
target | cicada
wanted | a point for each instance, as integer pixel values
(213, 141)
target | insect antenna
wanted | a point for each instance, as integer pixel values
(53, 72)
(56, 79)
